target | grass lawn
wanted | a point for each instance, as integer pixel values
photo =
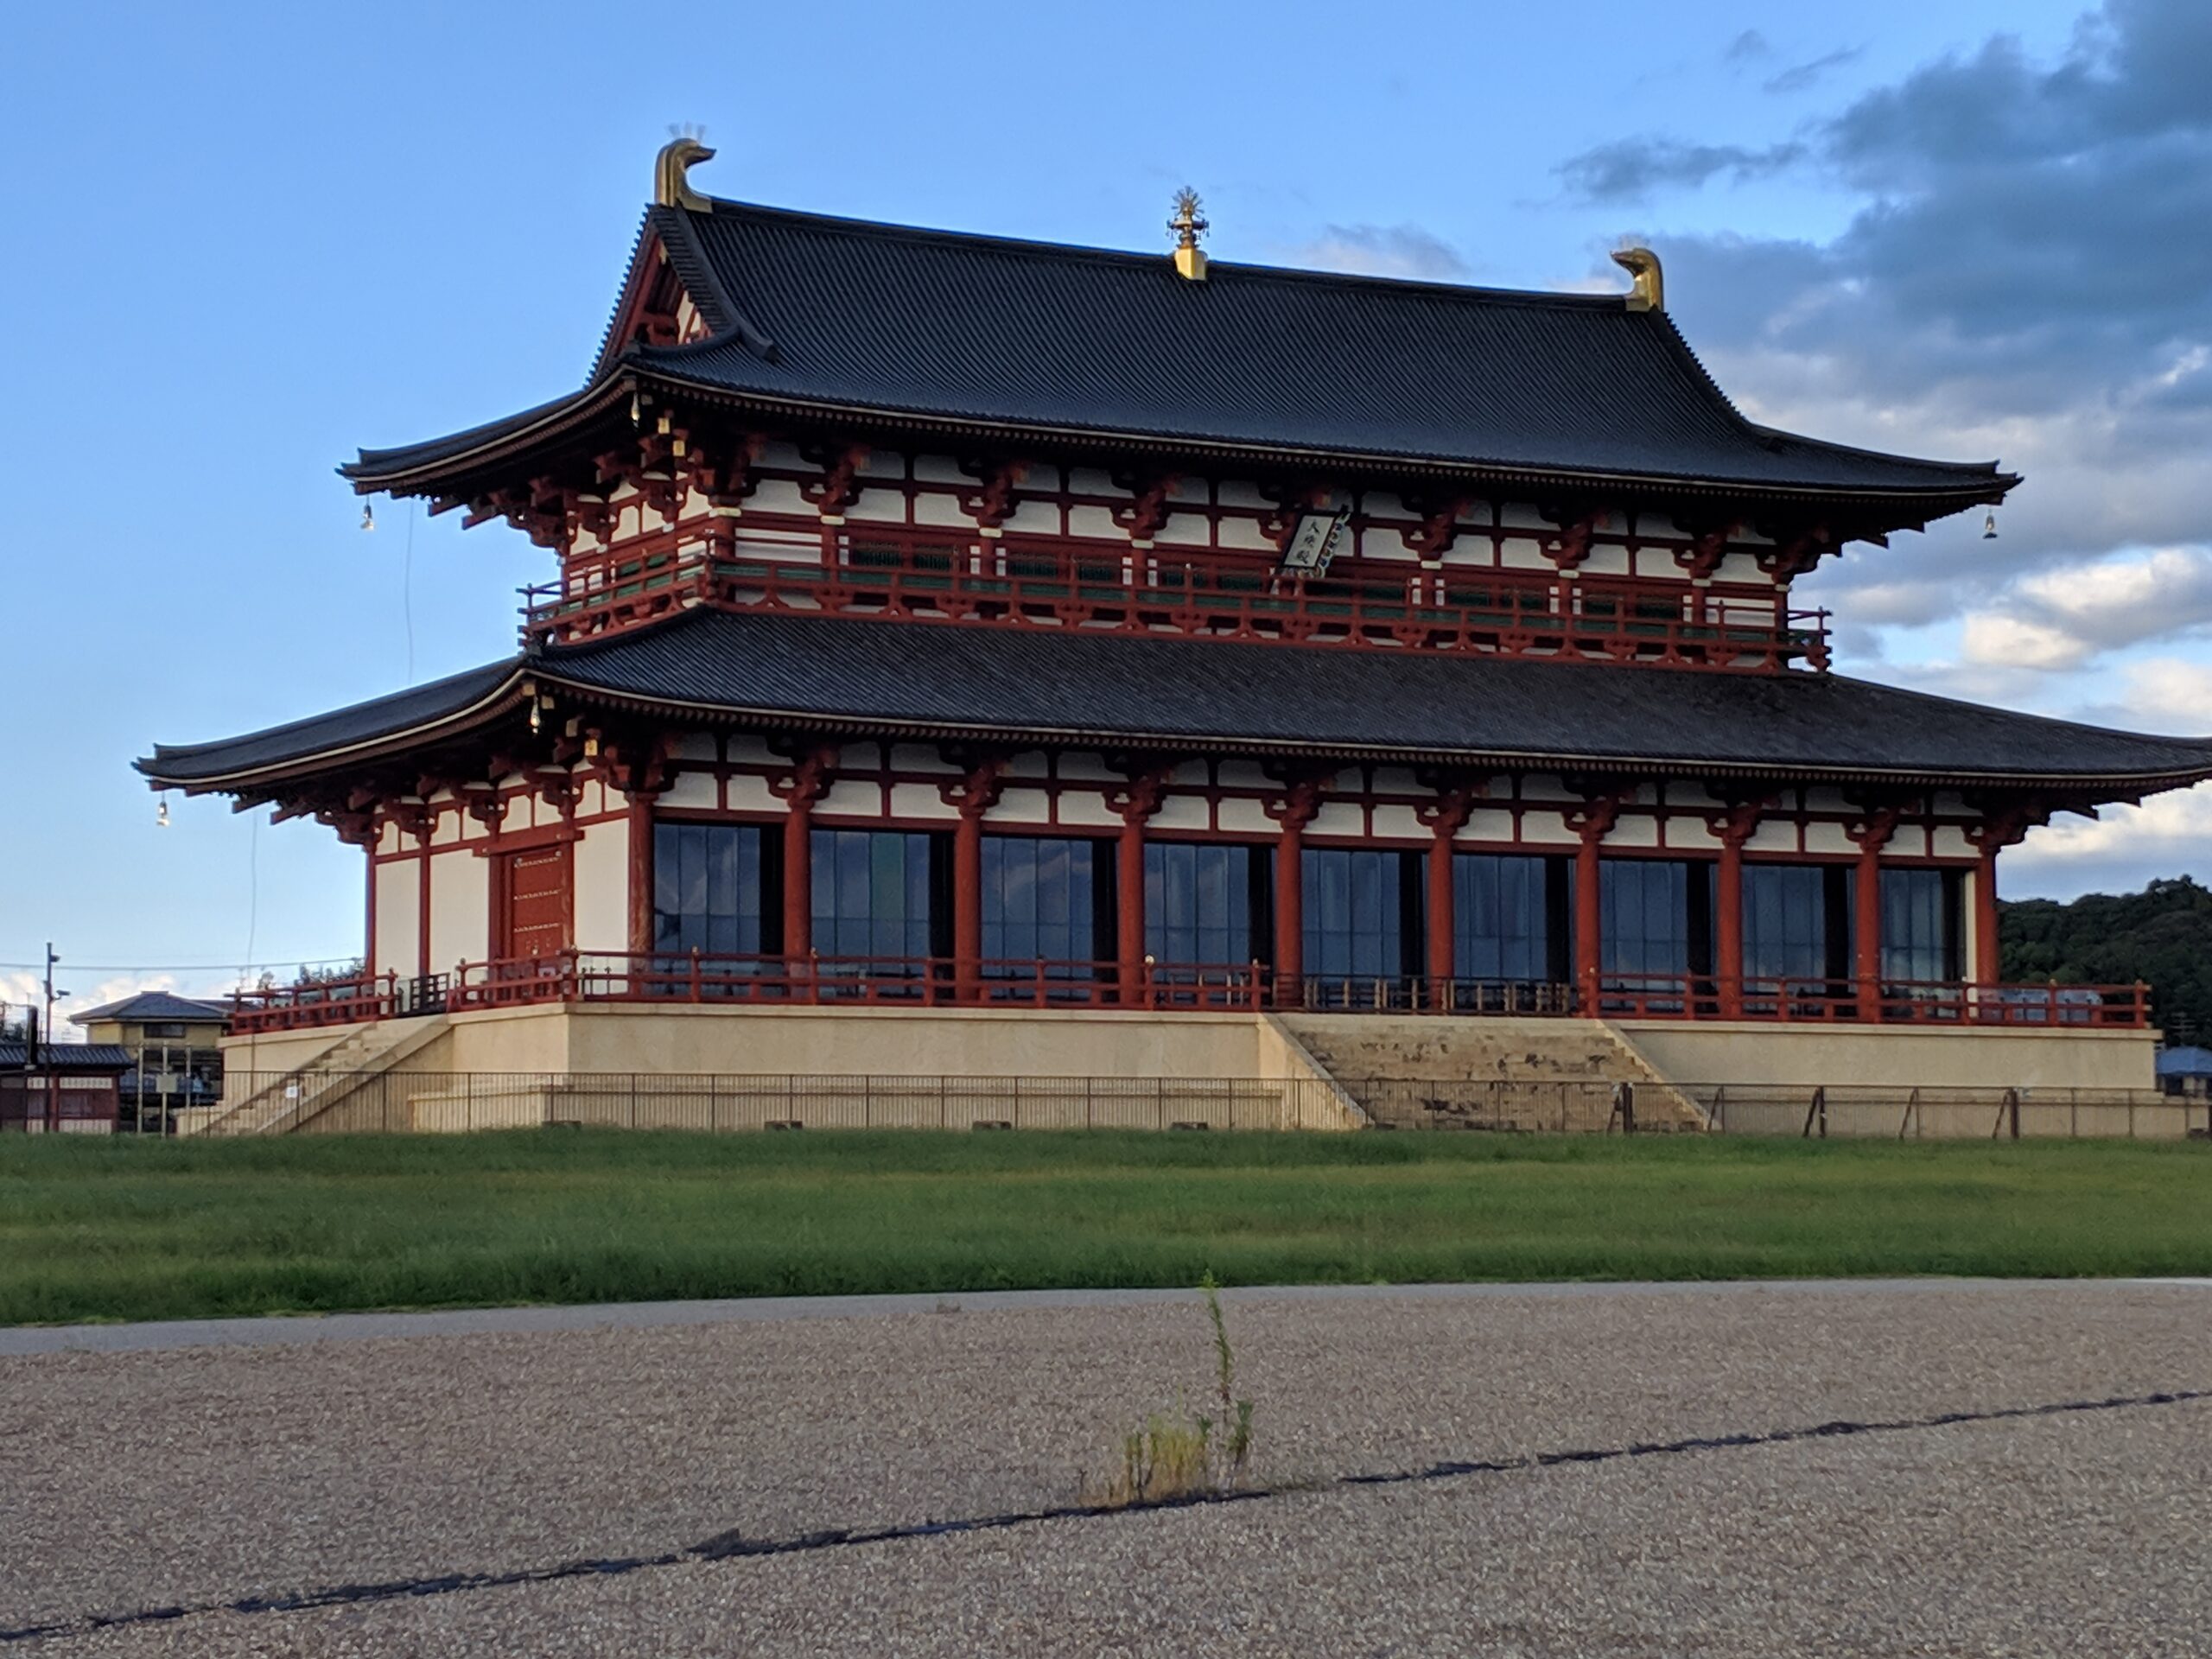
(129, 1229)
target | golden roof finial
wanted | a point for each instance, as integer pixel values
(672, 188)
(1189, 224)
(1649, 293)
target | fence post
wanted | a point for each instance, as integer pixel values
(1817, 1112)
(633, 1100)
(2013, 1110)
(468, 1099)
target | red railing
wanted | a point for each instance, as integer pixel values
(920, 576)
(303, 1007)
(937, 982)
(866, 982)
(1675, 997)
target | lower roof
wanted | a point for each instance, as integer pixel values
(68, 1057)
(866, 678)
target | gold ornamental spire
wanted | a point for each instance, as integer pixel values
(1189, 224)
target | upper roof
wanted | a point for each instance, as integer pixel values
(1004, 685)
(154, 1005)
(820, 315)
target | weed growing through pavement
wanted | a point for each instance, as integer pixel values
(1180, 1454)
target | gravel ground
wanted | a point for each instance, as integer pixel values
(135, 1479)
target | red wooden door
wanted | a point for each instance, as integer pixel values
(536, 901)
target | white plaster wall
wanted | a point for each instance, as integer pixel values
(461, 910)
(602, 879)
(394, 946)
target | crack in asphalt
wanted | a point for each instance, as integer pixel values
(735, 1545)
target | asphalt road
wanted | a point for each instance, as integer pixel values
(1876, 1469)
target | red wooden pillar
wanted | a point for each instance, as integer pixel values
(1732, 827)
(1136, 801)
(1728, 927)
(1592, 821)
(1293, 809)
(1445, 817)
(807, 781)
(1442, 923)
(1871, 834)
(641, 872)
(2002, 826)
(974, 794)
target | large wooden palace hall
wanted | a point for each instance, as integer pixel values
(941, 621)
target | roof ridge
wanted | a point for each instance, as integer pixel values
(1038, 246)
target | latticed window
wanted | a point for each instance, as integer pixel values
(1501, 917)
(1921, 924)
(1198, 901)
(1040, 900)
(707, 888)
(873, 893)
(1354, 908)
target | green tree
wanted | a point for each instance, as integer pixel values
(2162, 935)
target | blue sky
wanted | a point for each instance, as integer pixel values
(248, 240)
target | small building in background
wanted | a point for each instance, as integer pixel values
(173, 1042)
(2186, 1073)
(73, 1088)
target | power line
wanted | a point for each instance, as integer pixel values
(182, 967)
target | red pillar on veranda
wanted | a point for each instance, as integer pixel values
(1987, 949)
(1871, 834)
(641, 872)
(1444, 818)
(974, 794)
(1136, 801)
(1732, 827)
(1728, 928)
(1592, 821)
(1443, 922)
(800, 788)
(1293, 811)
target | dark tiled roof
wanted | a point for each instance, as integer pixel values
(70, 1057)
(154, 1005)
(884, 320)
(867, 676)
(416, 708)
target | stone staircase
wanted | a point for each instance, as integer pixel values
(1492, 1072)
(329, 1080)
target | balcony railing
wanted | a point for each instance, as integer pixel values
(937, 982)
(924, 576)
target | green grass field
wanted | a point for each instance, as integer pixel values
(125, 1229)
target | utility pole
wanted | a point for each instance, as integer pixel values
(46, 1026)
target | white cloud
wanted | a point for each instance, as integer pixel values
(1994, 639)
(2168, 691)
(2120, 849)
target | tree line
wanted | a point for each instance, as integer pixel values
(2162, 935)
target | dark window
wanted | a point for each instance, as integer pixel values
(1785, 922)
(708, 883)
(1646, 916)
(159, 1029)
(1354, 904)
(1501, 917)
(1921, 924)
(1205, 902)
(1040, 900)
(872, 893)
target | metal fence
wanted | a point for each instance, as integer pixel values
(1865, 1111)
(398, 1101)
(404, 1101)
